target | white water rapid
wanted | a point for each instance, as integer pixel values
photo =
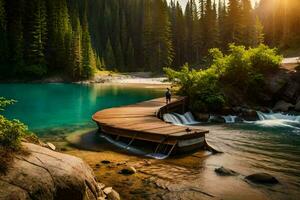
(229, 119)
(278, 120)
(178, 119)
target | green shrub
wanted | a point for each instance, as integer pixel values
(200, 86)
(11, 131)
(264, 59)
(242, 69)
(5, 102)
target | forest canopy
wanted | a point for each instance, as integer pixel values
(75, 38)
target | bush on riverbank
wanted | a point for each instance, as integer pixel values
(11, 131)
(11, 134)
(242, 71)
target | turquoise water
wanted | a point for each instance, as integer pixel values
(52, 106)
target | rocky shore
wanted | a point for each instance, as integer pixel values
(43, 174)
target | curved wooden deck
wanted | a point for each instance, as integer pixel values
(142, 121)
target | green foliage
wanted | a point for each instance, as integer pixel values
(265, 59)
(109, 56)
(242, 69)
(201, 86)
(11, 131)
(5, 102)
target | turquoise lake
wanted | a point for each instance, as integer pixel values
(52, 106)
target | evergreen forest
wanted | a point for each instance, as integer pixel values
(76, 38)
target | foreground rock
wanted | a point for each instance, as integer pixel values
(222, 171)
(262, 178)
(44, 174)
(283, 106)
(128, 171)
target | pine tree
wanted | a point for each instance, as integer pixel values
(130, 57)
(124, 32)
(88, 57)
(162, 39)
(248, 23)
(15, 9)
(75, 67)
(35, 38)
(210, 35)
(3, 36)
(147, 36)
(259, 35)
(189, 31)
(119, 56)
(222, 18)
(178, 32)
(109, 56)
(233, 22)
(59, 29)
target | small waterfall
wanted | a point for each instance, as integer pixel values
(171, 118)
(178, 119)
(275, 116)
(278, 120)
(229, 119)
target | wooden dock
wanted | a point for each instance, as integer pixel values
(143, 121)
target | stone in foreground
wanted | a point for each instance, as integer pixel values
(44, 174)
(222, 171)
(262, 178)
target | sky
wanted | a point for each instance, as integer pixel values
(183, 2)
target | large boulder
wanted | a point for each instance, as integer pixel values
(283, 106)
(44, 174)
(202, 117)
(275, 83)
(291, 91)
(262, 178)
(249, 114)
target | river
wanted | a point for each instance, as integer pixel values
(263, 146)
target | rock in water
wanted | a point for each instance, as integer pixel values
(128, 171)
(113, 195)
(44, 174)
(202, 117)
(107, 190)
(51, 146)
(262, 178)
(283, 106)
(105, 162)
(217, 119)
(222, 171)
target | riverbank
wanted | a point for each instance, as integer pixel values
(189, 176)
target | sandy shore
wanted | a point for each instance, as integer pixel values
(134, 78)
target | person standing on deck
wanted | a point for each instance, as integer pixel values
(168, 96)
